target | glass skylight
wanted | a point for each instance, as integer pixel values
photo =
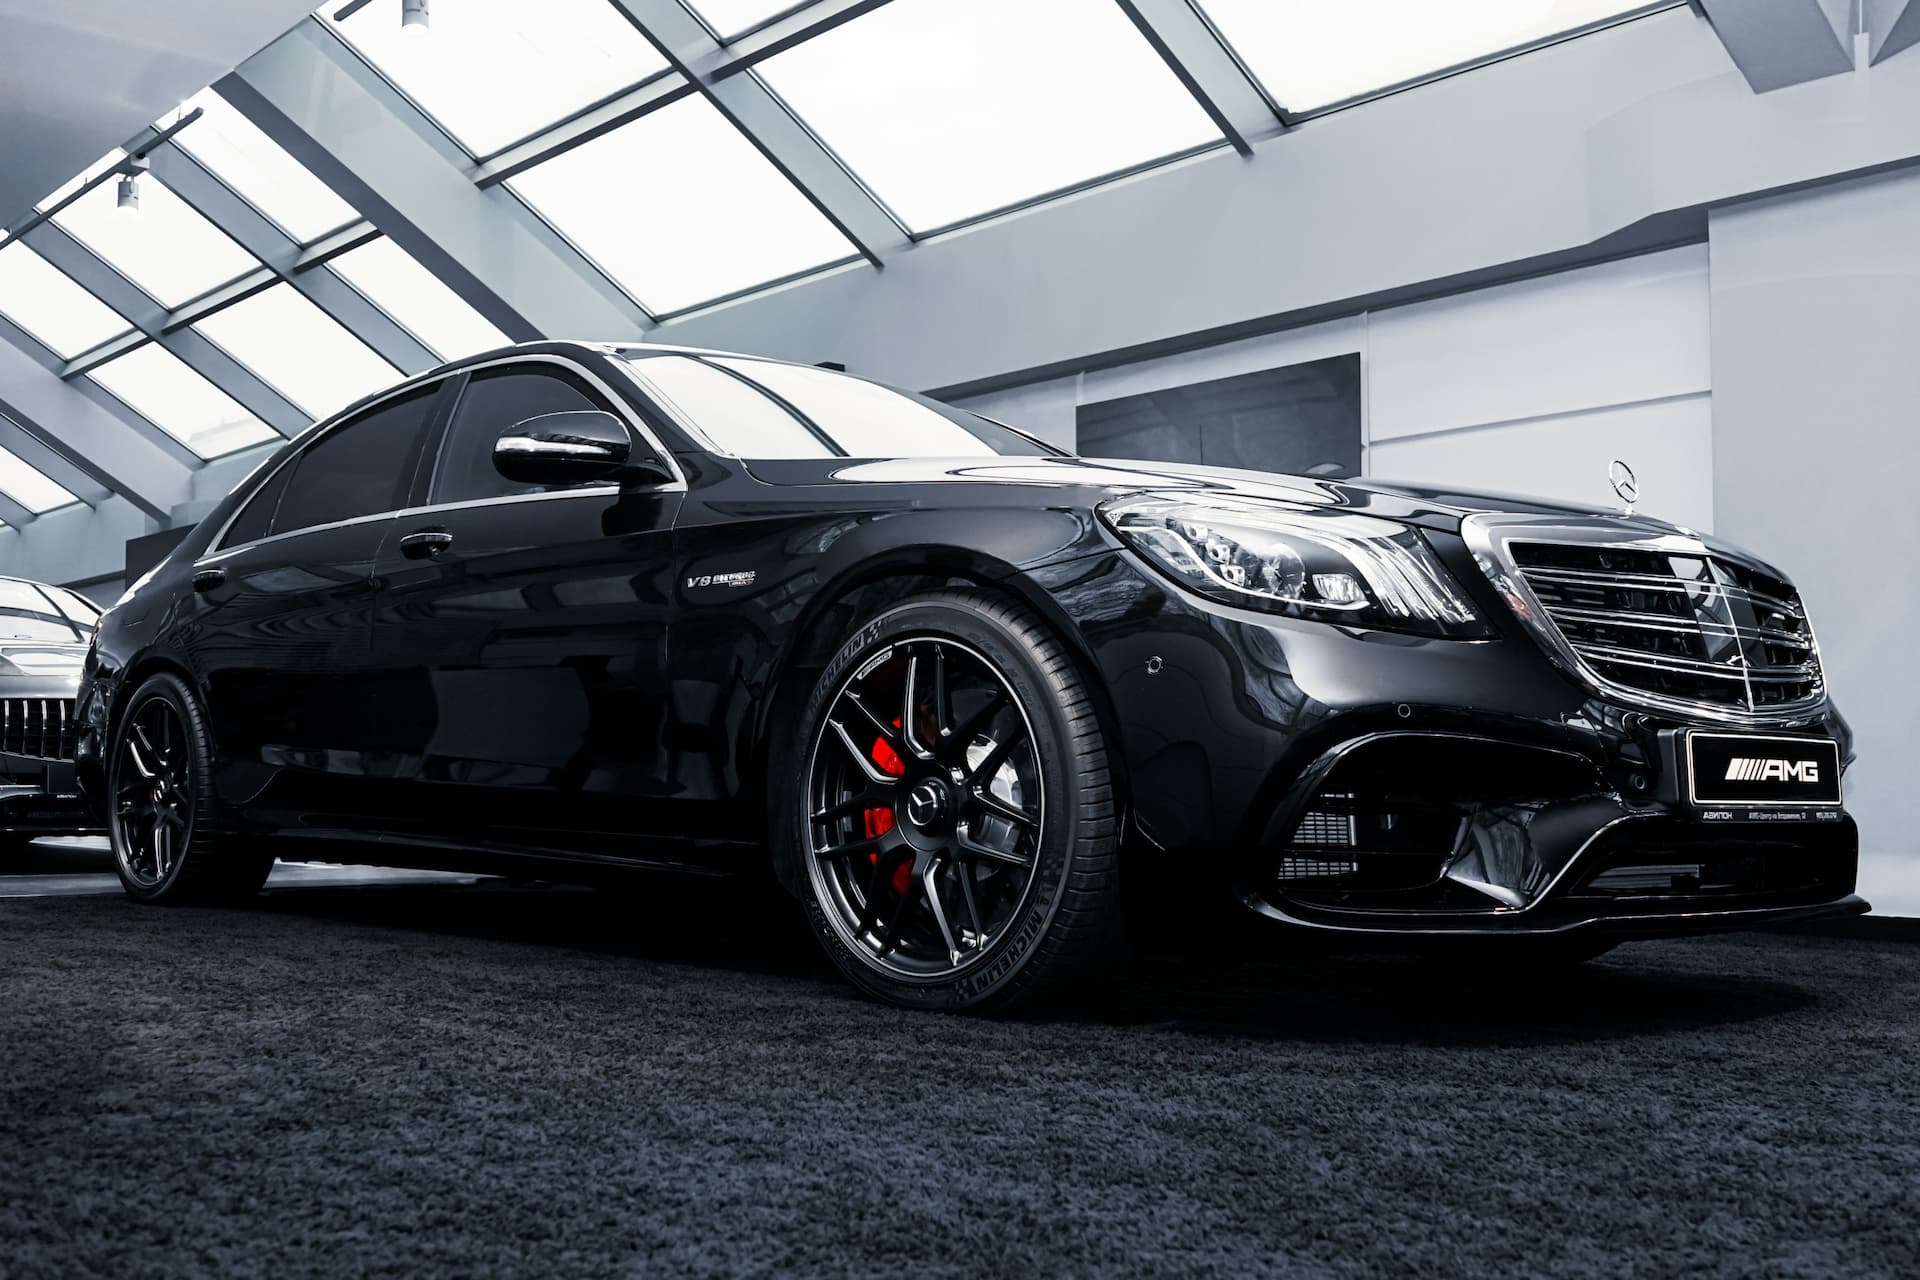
(731, 17)
(1310, 53)
(952, 108)
(396, 283)
(160, 386)
(164, 246)
(28, 487)
(240, 155)
(681, 209)
(494, 71)
(298, 349)
(41, 299)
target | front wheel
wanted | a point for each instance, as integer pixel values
(955, 810)
(166, 845)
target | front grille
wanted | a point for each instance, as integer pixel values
(42, 728)
(1682, 626)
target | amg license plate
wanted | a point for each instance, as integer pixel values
(1747, 770)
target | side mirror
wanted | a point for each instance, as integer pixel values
(572, 448)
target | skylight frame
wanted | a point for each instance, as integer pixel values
(45, 334)
(12, 467)
(1147, 73)
(249, 178)
(173, 366)
(651, 295)
(286, 353)
(479, 144)
(1292, 115)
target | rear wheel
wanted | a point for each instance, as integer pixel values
(166, 845)
(955, 810)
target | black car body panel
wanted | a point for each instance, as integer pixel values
(607, 674)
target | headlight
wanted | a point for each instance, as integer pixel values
(1337, 567)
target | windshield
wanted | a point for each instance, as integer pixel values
(762, 409)
(28, 613)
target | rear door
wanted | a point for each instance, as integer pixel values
(523, 630)
(283, 614)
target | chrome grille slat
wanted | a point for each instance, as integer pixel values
(38, 728)
(1650, 582)
(1677, 626)
(1717, 635)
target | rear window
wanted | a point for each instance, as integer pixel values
(762, 409)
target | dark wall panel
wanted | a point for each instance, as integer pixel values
(1303, 420)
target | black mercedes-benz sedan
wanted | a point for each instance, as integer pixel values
(568, 607)
(43, 645)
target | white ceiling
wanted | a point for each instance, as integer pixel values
(77, 79)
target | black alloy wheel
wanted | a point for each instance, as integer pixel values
(955, 783)
(153, 793)
(161, 823)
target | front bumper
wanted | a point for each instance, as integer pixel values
(1381, 783)
(42, 797)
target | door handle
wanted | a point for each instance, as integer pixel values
(425, 544)
(208, 579)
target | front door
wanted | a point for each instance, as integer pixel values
(522, 631)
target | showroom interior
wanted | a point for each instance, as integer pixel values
(1494, 245)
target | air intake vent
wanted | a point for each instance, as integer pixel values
(1681, 627)
(40, 728)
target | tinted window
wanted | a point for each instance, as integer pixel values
(26, 614)
(358, 469)
(256, 517)
(494, 400)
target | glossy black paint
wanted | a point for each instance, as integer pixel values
(609, 674)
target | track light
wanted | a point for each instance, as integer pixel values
(413, 15)
(127, 195)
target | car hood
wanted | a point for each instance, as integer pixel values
(1093, 479)
(41, 662)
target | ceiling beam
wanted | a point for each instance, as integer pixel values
(1893, 26)
(263, 238)
(335, 114)
(1777, 43)
(1208, 69)
(88, 435)
(27, 446)
(170, 330)
(773, 130)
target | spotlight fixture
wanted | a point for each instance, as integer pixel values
(127, 195)
(413, 15)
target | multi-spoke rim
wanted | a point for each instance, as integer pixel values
(925, 808)
(152, 793)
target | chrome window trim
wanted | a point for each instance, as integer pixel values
(1488, 536)
(262, 475)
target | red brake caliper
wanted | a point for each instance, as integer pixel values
(880, 821)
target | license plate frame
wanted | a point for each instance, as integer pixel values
(1729, 753)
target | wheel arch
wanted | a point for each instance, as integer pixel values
(866, 589)
(142, 666)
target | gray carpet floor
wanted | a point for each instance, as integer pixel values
(413, 1082)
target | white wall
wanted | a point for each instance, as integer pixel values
(1536, 387)
(1816, 419)
(1532, 387)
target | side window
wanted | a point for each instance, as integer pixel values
(494, 400)
(358, 469)
(256, 517)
